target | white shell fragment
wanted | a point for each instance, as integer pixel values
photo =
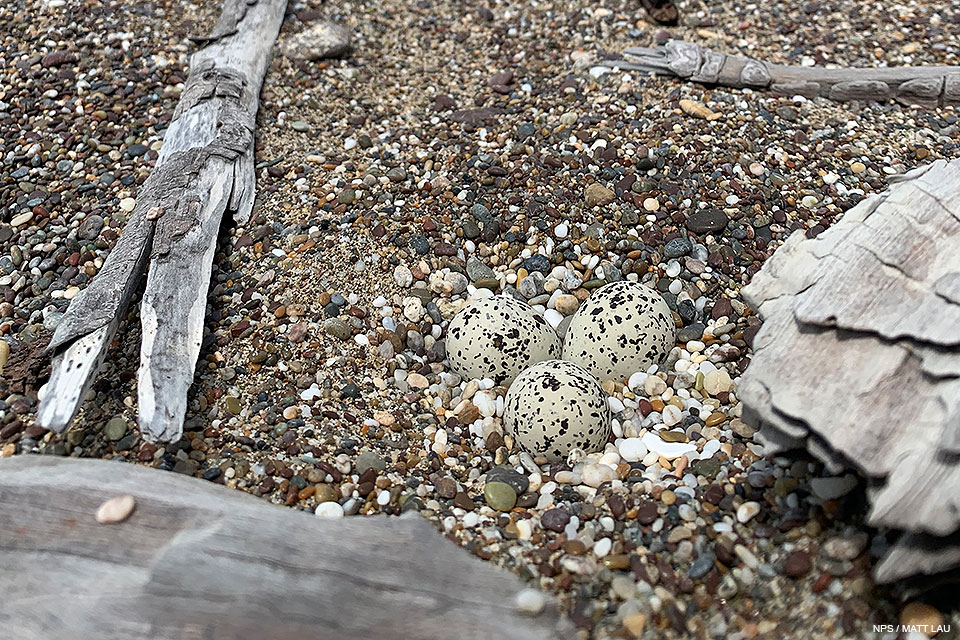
(497, 338)
(555, 407)
(116, 509)
(622, 328)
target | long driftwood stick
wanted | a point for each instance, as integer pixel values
(198, 560)
(858, 358)
(924, 86)
(205, 168)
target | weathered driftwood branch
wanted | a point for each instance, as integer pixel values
(205, 168)
(858, 358)
(198, 560)
(924, 86)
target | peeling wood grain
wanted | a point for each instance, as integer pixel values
(198, 560)
(928, 87)
(205, 168)
(858, 358)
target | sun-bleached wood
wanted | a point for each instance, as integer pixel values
(198, 560)
(858, 358)
(923, 86)
(205, 168)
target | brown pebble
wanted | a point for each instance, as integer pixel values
(446, 488)
(574, 548)
(797, 564)
(927, 619)
(463, 501)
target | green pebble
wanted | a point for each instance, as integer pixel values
(487, 283)
(116, 428)
(231, 404)
(500, 496)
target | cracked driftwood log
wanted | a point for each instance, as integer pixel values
(929, 87)
(205, 168)
(197, 560)
(858, 359)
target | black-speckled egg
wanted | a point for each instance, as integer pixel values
(497, 338)
(554, 407)
(622, 328)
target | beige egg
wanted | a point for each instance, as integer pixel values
(622, 328)
(498, 337)
(554, 407)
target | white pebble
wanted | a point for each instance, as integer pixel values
(616, 406)
(553, 317)
(747, 511)
(329, 510)
(602, 547)
(632, 449)
(530, 602)
(672, 415)
(668, 450)
(116, 509)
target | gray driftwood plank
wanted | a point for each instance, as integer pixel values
(924, 86)
(858, 358)
(205, 168)
(197, 560)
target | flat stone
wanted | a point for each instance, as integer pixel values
(702, 565)
(707, 221)
(499, 496)
(115, 428)
(322, 40)
(116, 509)
(597, 195)
(369, 460)
(677, 247)
(797, 564)
(517, 481)
(554, 520)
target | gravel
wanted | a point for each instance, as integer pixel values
(455, 152)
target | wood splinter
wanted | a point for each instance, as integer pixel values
(205, 168)
(928, 87)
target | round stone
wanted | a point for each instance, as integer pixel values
(797, 564)
(530, 602)
(329, 510)
(115, 428)
(499, 496)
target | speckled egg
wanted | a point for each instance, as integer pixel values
(554, 407)
(497, 338)
(622, 328)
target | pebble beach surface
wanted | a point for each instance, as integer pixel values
(465, 150)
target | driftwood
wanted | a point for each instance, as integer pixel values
(929, 87)
(198, 560)
(858, 359)
(205, 168)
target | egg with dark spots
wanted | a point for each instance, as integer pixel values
(497, 338)
(555, 407)
(622, 328)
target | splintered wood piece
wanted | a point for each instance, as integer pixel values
(928, 87)
(858, 358)
(217, 114)
(198, 560)
(205, 168)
